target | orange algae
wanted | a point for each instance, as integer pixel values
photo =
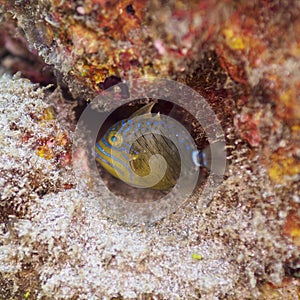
(292, 227)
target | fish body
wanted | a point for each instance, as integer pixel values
(127, 150)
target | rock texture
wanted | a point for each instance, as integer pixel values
(243, 58)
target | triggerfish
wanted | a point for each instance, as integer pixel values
(131, 161)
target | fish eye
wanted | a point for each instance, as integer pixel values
(115, 139)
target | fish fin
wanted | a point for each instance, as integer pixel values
(146, 109)
(195, 156)
(176, 114)
(220, 160)
(172, 112)
(156, 117)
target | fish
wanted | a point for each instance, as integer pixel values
(143, 159)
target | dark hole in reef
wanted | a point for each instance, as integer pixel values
(115, 80)
(109, 82)
(130, 10)
(79, 108)
(63, 86)
(106, 84)
(163, 107)
(293, 268)
(135, 62)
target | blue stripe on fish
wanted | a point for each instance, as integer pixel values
(99, 158)
(127, 147)
(114, 158)
(128, 121)
(204, 159)
(130, 148)
(123, 127)
(106, 143)
(118, 125)
(197, 156)
(126, 130)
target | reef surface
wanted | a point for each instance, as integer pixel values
(55, 242)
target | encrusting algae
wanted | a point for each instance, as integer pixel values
(243, 58)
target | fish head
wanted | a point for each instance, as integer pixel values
(113, 153)
(116, 154)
